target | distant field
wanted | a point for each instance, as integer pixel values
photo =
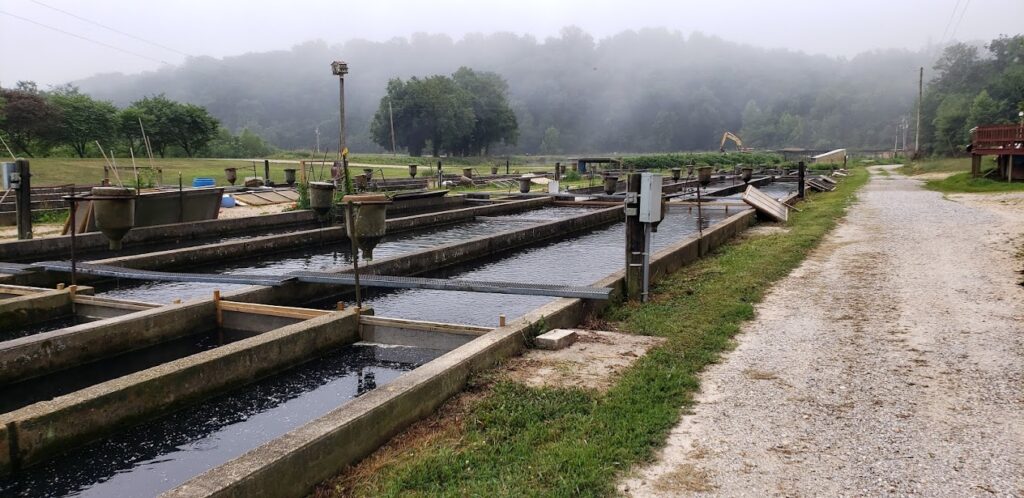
(943, 165)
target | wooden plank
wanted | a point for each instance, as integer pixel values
(114, 303)
(765, 205)
(271, 310)
(454, 328)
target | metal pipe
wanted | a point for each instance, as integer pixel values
(349, 223)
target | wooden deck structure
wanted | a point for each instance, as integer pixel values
(1006, 142)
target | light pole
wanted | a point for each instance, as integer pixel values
(340, 69)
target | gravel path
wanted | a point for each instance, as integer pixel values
(890, 363)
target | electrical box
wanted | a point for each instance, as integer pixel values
(11, 179)
(650, 197)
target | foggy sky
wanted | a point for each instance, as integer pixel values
(227, 27)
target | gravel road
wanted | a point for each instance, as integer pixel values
(891, 362)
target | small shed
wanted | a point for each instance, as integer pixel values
(837, 156)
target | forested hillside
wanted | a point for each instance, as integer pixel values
(637, 91)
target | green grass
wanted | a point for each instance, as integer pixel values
(942, 165)
(963, 183)
(522, 441)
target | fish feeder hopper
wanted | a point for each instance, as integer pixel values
(368, 220)
(368, 172)
(114, 208)
(231, 174)
(289, 176)
(677, 173)
(689, 170)
(321, 197)
(412, 170)
(494, 170)
(746, 174)
(611, 183)
(467, 172)
(524, 184)
(704, 175)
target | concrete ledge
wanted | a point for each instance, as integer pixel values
(58, 247)
(40, 354)
(293, 464)
(25, 310)
(50, 427)
(556, 339)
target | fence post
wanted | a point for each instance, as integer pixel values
(23, 200)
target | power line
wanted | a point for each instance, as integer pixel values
(952, 15)
(115, 30)
(957, 26)
(119, 49)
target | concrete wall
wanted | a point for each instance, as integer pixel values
(59, 247)
(22, 311)
(40, 354)
(48, 428)
(293, 464)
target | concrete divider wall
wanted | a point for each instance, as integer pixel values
(268, 244)
(59, 247)
(22, 311)
(293, 464)
(50, 427)
(48, 352)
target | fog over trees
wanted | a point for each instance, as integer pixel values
(638, 91)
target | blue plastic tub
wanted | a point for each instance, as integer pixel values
(200, 181)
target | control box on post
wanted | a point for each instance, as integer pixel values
(11, 179)
(650, 197)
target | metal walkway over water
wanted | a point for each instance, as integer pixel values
(384, 281)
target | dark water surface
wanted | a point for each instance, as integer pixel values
(151, 458)
(322, 258)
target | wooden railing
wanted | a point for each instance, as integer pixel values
(998, 137)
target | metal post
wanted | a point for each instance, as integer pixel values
(341, 112)
(23, 199)
(917, 129)
(351, 228)
(71, 216)
(644, 296)
(801, 172)
(181, 200)
(506, 166)
(634, 238)
(266, 173)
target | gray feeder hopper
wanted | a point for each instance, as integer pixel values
(689, 171)
(704, 175)
(370, 221)
(114, 209)
(524, 184)
(676, 174)
(467, 172)
(321, 197)
(231, 174)
(494, 170)
(289, 176)
(746, 174)
(412, 170)
(611, 183)
(368, 172)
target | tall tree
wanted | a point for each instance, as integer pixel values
(84, 119)
(494, 120)
(29, 119)
(432, 110)
(170, 123)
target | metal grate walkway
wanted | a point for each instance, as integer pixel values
(384, 281)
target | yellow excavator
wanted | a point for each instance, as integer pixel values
(739, 143)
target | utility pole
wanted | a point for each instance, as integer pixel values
(318, 140)
(920, 100)
(905, 127)
(391, 117)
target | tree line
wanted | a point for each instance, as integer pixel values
(973, 86)
(65, 121)
(648, 90)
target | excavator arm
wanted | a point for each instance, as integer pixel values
(730, 136)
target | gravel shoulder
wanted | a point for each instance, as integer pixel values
(890, 362)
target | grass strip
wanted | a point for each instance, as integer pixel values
(513, 440)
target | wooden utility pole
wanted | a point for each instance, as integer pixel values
(920, 100)
(801, 172)
(391, 117)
